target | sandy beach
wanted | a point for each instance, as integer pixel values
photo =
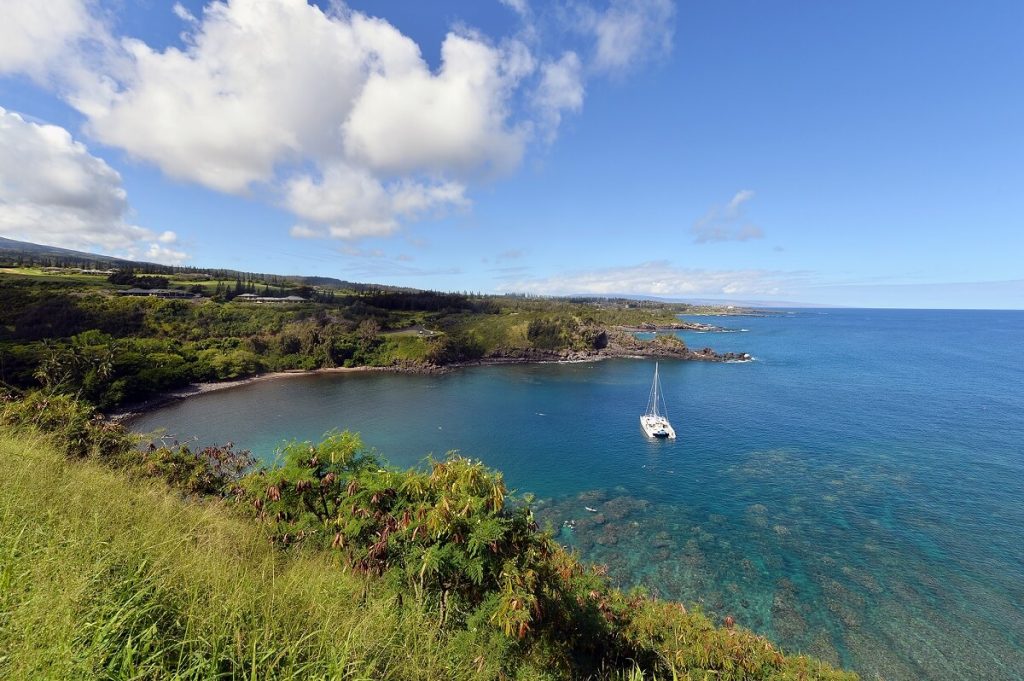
(130, 411)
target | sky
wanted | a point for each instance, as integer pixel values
(837, 153)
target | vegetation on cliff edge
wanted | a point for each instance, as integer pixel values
(74, 334)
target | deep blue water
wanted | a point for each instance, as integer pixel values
(856, 493)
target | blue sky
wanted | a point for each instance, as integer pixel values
(848, 153)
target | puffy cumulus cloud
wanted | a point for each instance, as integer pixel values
(661, 278)
(284, 99)
(456, 120)
(157, 252)
(261, 88)
(259, 82)
(727, 222)
(34, 34)
(347, 197)
(53, 191)
(629, 32)
(350, 202)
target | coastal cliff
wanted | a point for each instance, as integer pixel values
(609, 343)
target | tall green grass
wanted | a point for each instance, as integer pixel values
(106, 577)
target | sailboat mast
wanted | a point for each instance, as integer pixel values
(652, 402)
(657, 383)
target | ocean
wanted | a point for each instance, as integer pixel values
(855, 493)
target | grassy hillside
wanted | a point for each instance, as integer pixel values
(108, 573)
(101, 577)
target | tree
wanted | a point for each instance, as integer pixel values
(367, 331)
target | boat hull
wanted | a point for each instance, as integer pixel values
(657, 427)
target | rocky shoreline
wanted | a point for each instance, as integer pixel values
(617, 343)
(675, 326)
(534, 356)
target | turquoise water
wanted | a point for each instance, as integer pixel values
(856, 493)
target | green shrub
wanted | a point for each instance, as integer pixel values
(454, 347)
(210, 471)
(450, 538)
(74, 425)
(548, 333)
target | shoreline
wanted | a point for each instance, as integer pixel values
(126, 414)
(129, 412)
(678, 326)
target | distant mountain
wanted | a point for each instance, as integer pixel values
(14, 252)
(10, 250)
(331, 282)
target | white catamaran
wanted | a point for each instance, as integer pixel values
(655, 421)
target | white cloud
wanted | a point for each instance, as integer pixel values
(629, 32)
(258, 83)
(661, 278)
(53, 191)
(343, 194)
(307, 232)
(35, 33)
(182, 13)
(416, 199)
(520, 7)
(561, 89)
(162, 254)
(271, 97)
(728, 222)
(352, 203)
(262, 90)
(456, 120)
